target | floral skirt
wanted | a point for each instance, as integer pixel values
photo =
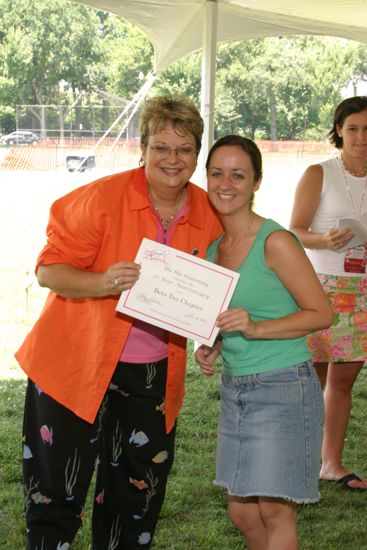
(346, 340)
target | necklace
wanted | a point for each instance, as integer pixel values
(228, 255)
(355, 174)
(166, 221)
(349, 191)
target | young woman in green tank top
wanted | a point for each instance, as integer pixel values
(270, 426)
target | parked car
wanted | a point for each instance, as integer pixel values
(20, 137)
(80, 161)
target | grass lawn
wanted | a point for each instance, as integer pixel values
(194, 512)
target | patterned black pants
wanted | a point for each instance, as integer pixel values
(128, 444)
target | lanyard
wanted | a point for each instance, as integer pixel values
(347, 185)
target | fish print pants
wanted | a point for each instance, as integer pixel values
(128, 445)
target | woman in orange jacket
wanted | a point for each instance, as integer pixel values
(105, 388)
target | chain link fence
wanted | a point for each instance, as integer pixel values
(78, 120)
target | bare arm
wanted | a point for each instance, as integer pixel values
(71, 282)
(306, 202)
(287, 259)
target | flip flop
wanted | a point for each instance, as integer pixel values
(343, 482)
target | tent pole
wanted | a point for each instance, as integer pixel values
(208, 81)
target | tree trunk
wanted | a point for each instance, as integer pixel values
(273, 113)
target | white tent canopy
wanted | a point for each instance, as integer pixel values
(179, 27)
(175, 27)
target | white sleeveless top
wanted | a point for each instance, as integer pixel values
(335, 203)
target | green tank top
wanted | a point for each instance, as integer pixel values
(260, 292)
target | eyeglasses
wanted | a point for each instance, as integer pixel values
(165, 151)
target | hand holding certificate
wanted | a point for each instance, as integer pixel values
(178, 292)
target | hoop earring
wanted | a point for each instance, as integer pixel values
(141, 163)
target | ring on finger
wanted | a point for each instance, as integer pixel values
(116, 283)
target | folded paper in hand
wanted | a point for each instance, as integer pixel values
(359, 226)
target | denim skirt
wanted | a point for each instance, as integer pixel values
(270, 434)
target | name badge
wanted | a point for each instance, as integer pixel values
(355, 259)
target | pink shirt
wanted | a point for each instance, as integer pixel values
(147, 343)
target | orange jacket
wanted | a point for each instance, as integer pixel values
(73, 348)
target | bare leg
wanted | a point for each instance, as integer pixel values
(338, 400)
(280, 520)
(322, 370)
(245, 514)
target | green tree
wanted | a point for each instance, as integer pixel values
(47, 48)
(60, 52)
(356, 60)
(281, 88)
(241, 99)
(130, 57)
(182, 77)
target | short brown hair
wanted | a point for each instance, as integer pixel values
(179, 111)
(349, 106)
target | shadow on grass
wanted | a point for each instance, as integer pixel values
(194, 513)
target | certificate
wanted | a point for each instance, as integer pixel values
(178, 292)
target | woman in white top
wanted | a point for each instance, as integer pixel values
(326, 193)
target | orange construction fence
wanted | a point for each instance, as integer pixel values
(50, 154)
